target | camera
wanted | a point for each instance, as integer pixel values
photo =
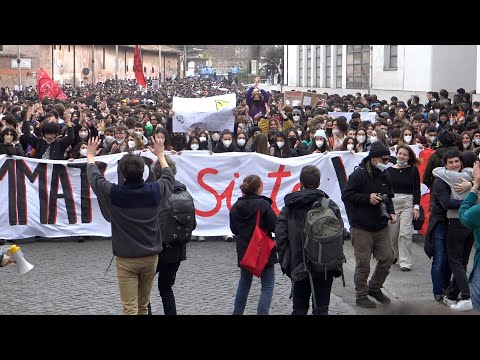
(384, 216)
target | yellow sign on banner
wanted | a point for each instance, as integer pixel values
(221, 104)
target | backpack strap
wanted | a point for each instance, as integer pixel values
(325, 202)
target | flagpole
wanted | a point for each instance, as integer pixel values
(116, 64)
(18, 68)
(160, 63)
(93, 64)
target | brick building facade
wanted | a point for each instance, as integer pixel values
(64, 63)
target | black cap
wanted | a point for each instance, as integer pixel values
(378, 149)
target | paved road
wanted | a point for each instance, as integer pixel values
(69, 278)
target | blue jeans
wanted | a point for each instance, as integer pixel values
(267, 279)
(475, 287)
(440, 270)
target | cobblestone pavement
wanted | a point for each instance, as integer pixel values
(69, 278)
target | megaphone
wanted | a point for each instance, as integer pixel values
(23, 266)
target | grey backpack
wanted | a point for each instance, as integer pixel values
(323, 239)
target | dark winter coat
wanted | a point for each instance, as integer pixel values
(243, 217)
(289, 227)
(173, 252)
(356, 196)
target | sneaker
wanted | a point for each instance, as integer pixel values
(379, 296)
(438, 297)
(365, 302)
(228, 238)
(462, 305)
(449, 302)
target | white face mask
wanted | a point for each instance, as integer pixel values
(296, 117)
(83, 134)
(477, 141)
(194, 146)
(335, 131)
(130, 131)
(215, 137)
(227, 143)
(381, 166)
(241, 142)
(319, 143)
(436, 111)
(202, 138)
(131, 144)
(299, 133)
(241, 125)
(83, 152)
(139, 133)
(120, 141)
(402, 163)
(407, 139)
(466, 145)
(432, 138)
(361, 139)
(71, 111)
(280, 144)
(373, 139)
(350, 147)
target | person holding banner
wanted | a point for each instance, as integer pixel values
(133, 210)
(242, 223)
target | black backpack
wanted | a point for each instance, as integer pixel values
(179, 218)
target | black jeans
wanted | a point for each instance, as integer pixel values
(459, 245)
(166, 279)
(302, 294)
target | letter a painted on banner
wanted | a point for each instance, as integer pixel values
(220, 104)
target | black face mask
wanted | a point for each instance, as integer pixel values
(292, 141)
(328, 131)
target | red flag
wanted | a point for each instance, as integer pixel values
(47, 87)
(138, 67)
(425, 199)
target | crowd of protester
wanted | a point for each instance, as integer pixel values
(125, 119)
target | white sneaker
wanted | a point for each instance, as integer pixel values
(462, 305)
(449, 302)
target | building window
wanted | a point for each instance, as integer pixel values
(339, 66)
(60, 47)
(68, 48)
(317, 65)
(145, 69)
(1, 47)
(153, 69)
(127, 67)
(390, 57)
(358, 66)
(103, 58)
(328, 66)
(300, 68)
(309, 65)
(54, 47)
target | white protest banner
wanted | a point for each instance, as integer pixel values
(52, 198)
(364, 116)
(214, 113)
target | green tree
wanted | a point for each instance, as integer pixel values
(275, 54)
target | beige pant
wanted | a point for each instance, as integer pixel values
(401, 232)
(135, 280)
